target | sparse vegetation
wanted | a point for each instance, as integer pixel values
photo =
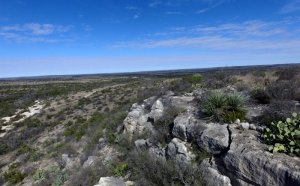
(14, 175)
(83, 118)
(160, 172)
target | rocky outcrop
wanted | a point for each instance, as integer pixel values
(141, 117)
(238, 156)
(214, 139)
(113, 181)
(69, 161)
(178, 150)
(248, 162)
(211, 175)
(154, 150)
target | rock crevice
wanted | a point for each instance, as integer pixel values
(238, 157)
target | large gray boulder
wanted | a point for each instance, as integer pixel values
(215, 139)
(157, 110)
(179, 151)
(187, 127)
(180, 101)
(69, 161)
(211, 175)
(136, 121)
(248, 163)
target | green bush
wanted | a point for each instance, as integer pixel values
(261, 96)
(225, 107)
(13, 175)
(284, 136)
(149, 170)
(120, 169)
(195, 80)
(40, 175)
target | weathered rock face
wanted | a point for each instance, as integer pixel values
(238, 155)
(212, 177)
(178, 150)
(155, 150)
(69, 161)
(140, 118)
(111, 181)
(247, 162)
(90, 161)
(214, 139)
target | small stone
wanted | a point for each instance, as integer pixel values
(245, 126)
(111, 181)
(252, 127)
(237, 121)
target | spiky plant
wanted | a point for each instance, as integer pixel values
(215, 105)
(235, 102)
(225, 107)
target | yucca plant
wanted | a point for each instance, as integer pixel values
(215, 105)
(235, 101)
(225, 107)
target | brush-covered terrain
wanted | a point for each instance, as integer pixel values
(239, 126)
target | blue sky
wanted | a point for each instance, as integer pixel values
(99, 36)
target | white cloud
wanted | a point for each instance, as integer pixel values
(248, 28)
(36, 28)
(136, 16)
(291, 6)
(249, 36)
(173, 13)
(34, 32)
(131, 8)
(154, 4)
(201, 11)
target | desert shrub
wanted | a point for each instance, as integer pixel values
(287, 73)
(30, 123)
(149, 170)
(4, 148)
(149, 92)
(195, 80)
(60, 179)
(259, 73)
(76, 131)
(180, 86)
(89, 175)
(284, 136)
(14, 175)
(164, 125)
(260, 95)
(225, 107)
(33, 154)
(282, 90)
(25, 149)
(120, 169)
(40, 175)
(276, 111)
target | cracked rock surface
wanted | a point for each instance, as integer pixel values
(238, 155)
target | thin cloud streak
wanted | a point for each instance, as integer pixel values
(290, 7)
(35, 32)
(254, 35)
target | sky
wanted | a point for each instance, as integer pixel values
(57, 37)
